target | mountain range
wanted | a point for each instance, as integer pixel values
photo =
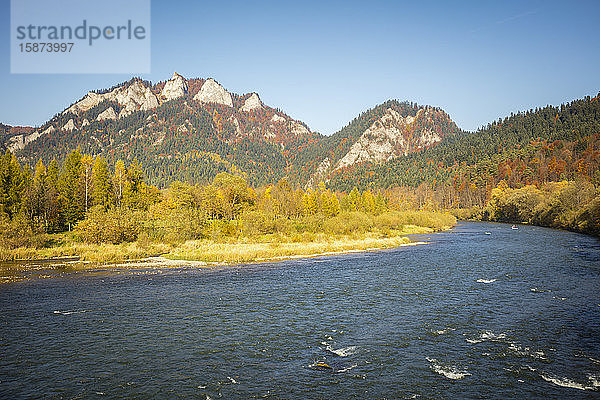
(192, 129)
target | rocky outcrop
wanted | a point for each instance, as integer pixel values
(85, 122)
(133, 97)
(20, 141)
(297, 129)
(277, 118)
(212, 92)
(390, 136)
(320, 174)
(16, 142)
(69, 126)
(174, 88)
(109, 113)
(236, 124)
(252, 103)
(89, 101)
(48, 130)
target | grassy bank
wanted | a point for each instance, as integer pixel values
(65, 246)
(231, 250)
(294, 238)
(234, 250)
(273, 247)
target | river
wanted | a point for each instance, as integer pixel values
(480, 312)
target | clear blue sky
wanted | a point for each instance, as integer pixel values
(324, 62)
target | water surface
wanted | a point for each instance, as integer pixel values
(481, 312)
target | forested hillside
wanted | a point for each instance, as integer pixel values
(402, 135)
(175, 130)
(534, 147)
(193, 129)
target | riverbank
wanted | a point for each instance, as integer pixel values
(568, 205)
(226, 251)
(244, 250)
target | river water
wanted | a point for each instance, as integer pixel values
(480, 312)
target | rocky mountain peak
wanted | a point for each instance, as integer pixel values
(212, 92)
(392, 135)
(135, 96)
(175, 87)
(252, 103)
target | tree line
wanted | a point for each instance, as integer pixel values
(102, 202)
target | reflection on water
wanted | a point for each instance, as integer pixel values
(483, 311)
(18, 271)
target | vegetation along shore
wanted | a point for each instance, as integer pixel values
(101, 213)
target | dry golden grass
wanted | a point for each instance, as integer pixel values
(86, 252)
(273, 247)
(227, 250)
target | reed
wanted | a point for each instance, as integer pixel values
(275, 248)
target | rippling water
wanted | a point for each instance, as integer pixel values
(482, 311)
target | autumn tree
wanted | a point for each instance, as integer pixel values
(72, 192)
(101, 182)
(235, 193)
(12, 185)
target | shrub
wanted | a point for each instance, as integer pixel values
(113, 226)
(588, 219)
(19, 233)
(310, 223)
(348, 222)
(389, 220)
(257, 223)
(177, 225)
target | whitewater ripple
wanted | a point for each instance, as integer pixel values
(68, 312)
(524, 351)
(443, 331)
(594, 382)
(449, 371)
(347, 368)
(487, 336)
(343, 352)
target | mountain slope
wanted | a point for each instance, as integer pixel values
(178, 129)
(388, 131)
(535, 147)
(192, 129)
